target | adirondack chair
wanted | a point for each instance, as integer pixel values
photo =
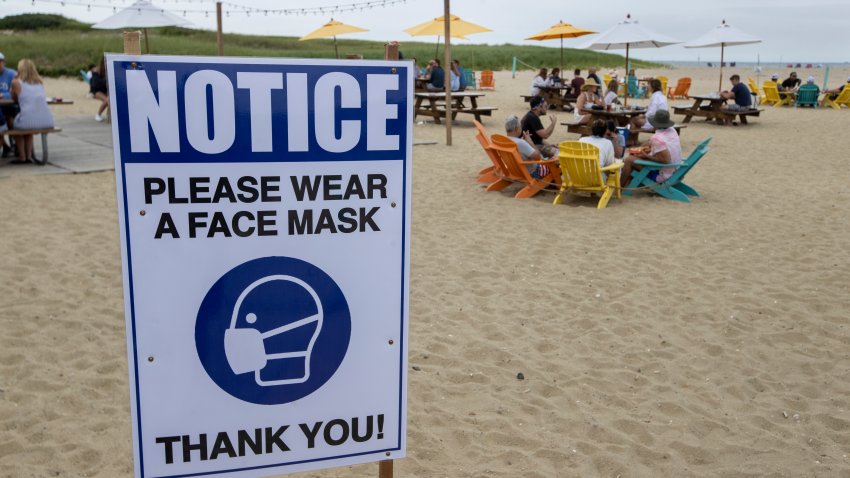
(663, 80)
(673, 188)
(843, 98)
(680, 90)
(771, 95)
(487, 81)
(754, 90)
(807, 95)
(494, 173)
(85, 77)
(581, 172)
(516, 171)
(469, 79)
(607, 79)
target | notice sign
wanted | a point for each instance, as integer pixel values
(264, 208)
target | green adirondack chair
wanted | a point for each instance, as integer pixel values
(807, 95)
(469, 79)
(673, 188)
(633, 89)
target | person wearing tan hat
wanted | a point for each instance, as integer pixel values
(589, 96)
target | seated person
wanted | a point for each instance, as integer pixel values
(613, 135)
(834, 92)
(740, 93)
(588, 98)
(775, 79)
(436, 76)
(28, 92)
(591, 75)
(575, 84)
(454, 77)
(8, 111)
(658, 101)
(612, 96)
(791, 83)
(555, 77)
(531, 121)
(600, 138)
(664, 147)
(811, 81)
(540, 80)
(527, 149)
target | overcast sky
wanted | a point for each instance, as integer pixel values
(807, 31)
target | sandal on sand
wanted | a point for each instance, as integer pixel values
(18, 161)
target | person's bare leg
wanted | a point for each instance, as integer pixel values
(28, 142)
(628, 165)
(21, 146)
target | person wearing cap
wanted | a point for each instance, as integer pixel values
(740, 93)
(657, 101)
(664, 147)
(534, 126)
(791, 83)
(586, 99)
(8, 111)
(811, 81)
(775, 78)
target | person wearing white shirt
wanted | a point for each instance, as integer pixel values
(612, 96)
(598, 130)
(656, 102)
(540, 80)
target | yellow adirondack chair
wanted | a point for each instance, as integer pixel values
(663, 80)
(843, 98)
(754, 89)
(606, 79)
(581, 172)
(771, 95)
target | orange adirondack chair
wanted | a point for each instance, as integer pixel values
(516, 171)
(680, 90)
(487, 82)
(492, 173)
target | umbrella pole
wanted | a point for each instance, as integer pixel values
(447, 71)
(147, 45)
(336, 50)
(626, 96)
(720, 84)
(562, 55)
(437, 48)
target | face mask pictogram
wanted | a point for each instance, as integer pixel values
(245, 347)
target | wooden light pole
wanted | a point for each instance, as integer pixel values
(219, 37)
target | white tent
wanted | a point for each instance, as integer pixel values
(626, 35)
(722, 35)
(141, 14)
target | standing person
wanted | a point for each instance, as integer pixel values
(534, 126)
(664, 147)
(658, 101)
(588, 97)
(28, 92)
(538, 81)
(8, 111)
(436, 76)
(576, 83)
(99, 88)
(741, 94)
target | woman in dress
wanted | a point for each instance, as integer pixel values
(28, 92)
(586, 99)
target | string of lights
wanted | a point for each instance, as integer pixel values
(228, 8)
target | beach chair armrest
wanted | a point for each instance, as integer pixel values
(654, 165)
(612, 167)
(545, 161)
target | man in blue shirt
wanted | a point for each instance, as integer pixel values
(740, 93)
(9, 111)
(461, 74)
(436, 76)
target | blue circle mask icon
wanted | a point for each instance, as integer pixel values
(273, 330)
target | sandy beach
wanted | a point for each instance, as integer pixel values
(654, 338)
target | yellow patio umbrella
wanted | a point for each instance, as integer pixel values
(332, 29)
(459, 28)
(560, 30)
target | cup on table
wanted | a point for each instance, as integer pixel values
(608, 107)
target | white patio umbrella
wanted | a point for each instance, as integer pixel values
(626, 35)
(722, 35)
(141, 14)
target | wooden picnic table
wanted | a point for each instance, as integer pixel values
(50, 101)
(432, 103)
(621, 119)
(712, 110)
(554, 95)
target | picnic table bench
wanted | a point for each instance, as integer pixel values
(433, 104)
(712, 110)
(42, 132)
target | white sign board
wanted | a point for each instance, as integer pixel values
(264, 207)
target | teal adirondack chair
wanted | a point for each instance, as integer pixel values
(807, 95)
(469, 79)
(633, 89)
(673, 188)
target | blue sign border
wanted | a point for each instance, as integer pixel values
(405, 108)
